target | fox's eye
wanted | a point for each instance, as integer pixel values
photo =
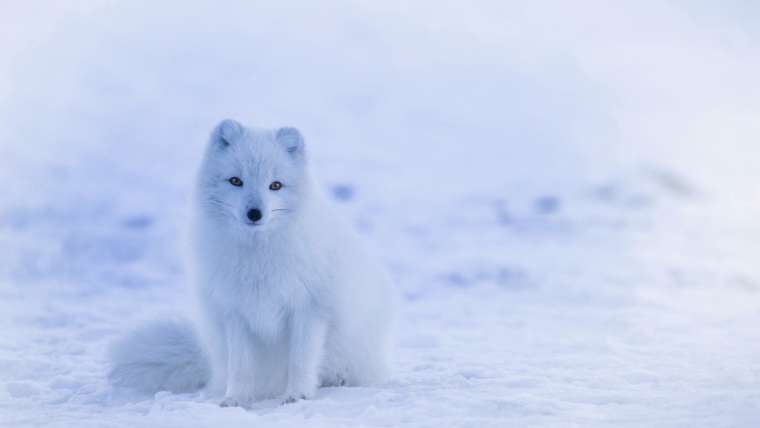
(236, 181)
(276, 185)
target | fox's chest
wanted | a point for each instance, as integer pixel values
(264, 284)
(265, 295)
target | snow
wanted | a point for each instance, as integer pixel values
(565, 194)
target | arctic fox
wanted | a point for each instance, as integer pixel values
(289, 300)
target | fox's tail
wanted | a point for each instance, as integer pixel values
(160, 356)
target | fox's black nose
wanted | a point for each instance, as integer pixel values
(254, 214)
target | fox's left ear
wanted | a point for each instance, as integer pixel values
(291, 139)
(226, 133)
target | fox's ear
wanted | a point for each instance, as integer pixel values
(291, 139)
(227, 132)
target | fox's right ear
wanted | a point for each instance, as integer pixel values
(226, 132)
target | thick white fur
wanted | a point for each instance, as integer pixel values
(160, 356)
(291, 302)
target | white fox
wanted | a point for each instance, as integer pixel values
(290, 302)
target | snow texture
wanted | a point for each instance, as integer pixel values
(565, 193)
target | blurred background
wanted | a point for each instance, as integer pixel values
(565, 193)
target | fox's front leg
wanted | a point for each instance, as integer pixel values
(307, 342)
(239, 391)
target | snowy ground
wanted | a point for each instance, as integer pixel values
(566, 195)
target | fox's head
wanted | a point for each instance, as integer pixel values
(251, 177)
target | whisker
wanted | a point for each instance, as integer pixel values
(221, 208)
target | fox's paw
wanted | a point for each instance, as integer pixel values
(289, 399)
(232, 402)
(333, 381)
